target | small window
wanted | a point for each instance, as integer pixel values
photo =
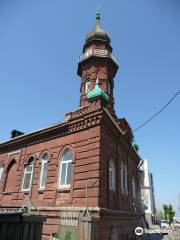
(122, 177)
(27, 178)
(111, 176)
(109, 87)
(87, 86)
(65, 169)
(125, 179)
(44, 171)
(133, 188)
(1, 172)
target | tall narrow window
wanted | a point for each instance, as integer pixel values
(1, 172)
(87, 86)
(65, 169)
(11, 175)
(44, 171)
(111, 176)
(27, 178)
(122, 177)
(133, 188)
(125, 179)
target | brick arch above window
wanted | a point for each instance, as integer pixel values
(10, 176)
(9, 164)
(64, 148)
(30, 158)
(46, 151)
(65, 167)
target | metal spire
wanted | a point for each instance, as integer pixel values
(97, 27)
(98, 12)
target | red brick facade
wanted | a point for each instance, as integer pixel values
(95, 136)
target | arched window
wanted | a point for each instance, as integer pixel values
(125, 179)
(65, 169)
(87, 86)
(122, 177)
(11, 174)
(1, 172)
(133, 188)
(111, 176)
(44, 171)
(28, 173)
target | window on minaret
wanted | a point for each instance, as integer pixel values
(111, 176)
(65, 169)
(28, 174)
(1, 172)
(44, 171)
(87, 86)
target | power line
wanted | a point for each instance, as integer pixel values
(157, 113)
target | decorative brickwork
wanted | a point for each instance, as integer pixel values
(94, 135)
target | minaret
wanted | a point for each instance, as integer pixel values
(97, 62)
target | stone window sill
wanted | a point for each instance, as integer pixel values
(7, 193)
(112, 191)
(63, 190)
(25, 192)
(41, 190)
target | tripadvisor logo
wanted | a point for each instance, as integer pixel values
(139, 231)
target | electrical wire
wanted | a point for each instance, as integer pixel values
(157, 113)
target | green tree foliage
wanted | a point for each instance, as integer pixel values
(168, 213)
(165, 207)
(171, 214)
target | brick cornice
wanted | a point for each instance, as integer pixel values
(76, 121)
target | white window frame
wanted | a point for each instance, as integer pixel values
(43, 161)
(1, 172)
(87, 86)
(112, 174)
(60, 169)
(25, 171)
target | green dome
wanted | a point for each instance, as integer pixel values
(134, 144)
(97, 92)
(97, 33)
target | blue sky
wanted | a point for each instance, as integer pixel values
(40, 41)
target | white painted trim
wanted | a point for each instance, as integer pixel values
(27, 189)
(43, 208)
(13, 153)
(60, 172)
(1, 172)
(43, 161)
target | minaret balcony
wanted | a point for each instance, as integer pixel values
(103, 53)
